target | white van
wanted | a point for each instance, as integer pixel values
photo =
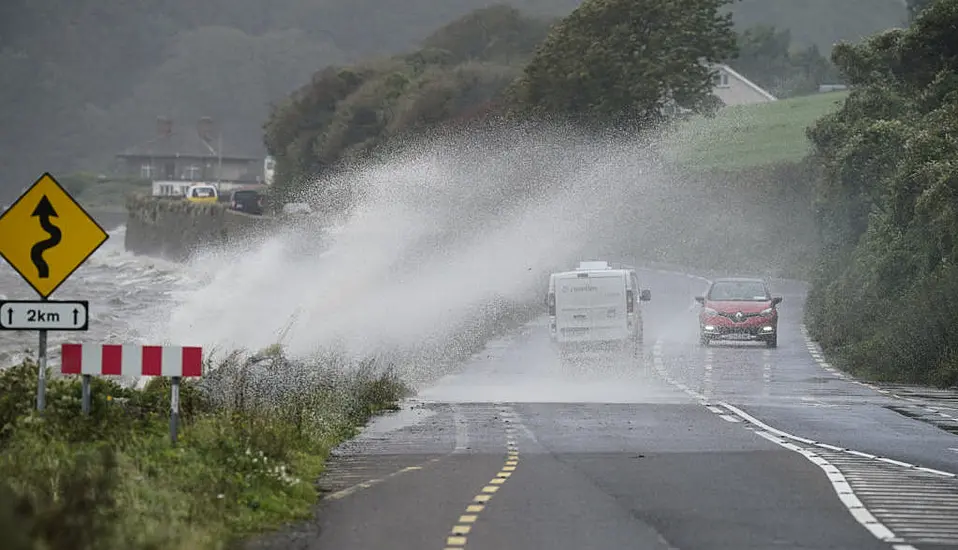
(596, 303)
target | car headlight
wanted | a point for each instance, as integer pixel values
(767, 312)
(710, 312)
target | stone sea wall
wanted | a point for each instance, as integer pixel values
(174, 228)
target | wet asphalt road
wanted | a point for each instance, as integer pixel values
(730, 446)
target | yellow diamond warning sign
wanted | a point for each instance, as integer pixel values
(46, 235)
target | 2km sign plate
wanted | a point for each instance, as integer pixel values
(44, 315)
(46, 235)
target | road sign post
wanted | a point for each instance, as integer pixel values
(175, 362)
(174, 408)
(45, 236)
(42, 372)
(85, 399)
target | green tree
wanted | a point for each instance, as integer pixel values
(767, 56)
(887, 205)
(344, 113)
(627, 61)
(915, 7)
(494, 33)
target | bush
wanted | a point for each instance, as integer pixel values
(254, 433)
(883, 298)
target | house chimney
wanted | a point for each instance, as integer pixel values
(205, 129)
(164, 126)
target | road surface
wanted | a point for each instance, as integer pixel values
(730, 446)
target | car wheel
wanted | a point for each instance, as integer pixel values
(704, 340)
(772, 342)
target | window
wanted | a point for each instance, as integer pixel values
(192, 172)
(146, 171)
(738, 291)
(720, 79)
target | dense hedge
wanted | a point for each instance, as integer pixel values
(885, 296)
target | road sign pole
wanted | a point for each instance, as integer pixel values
(46, 218)
(174, 408)
(42, 372)
(86, 394)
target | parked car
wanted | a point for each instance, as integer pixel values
(202, 192)
(739, 308)
(247, 200)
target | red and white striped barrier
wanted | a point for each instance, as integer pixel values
(131, 360)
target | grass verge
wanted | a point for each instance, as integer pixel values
(255, 435)
(747, 136)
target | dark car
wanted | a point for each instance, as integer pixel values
(247, 200)
(739, 308)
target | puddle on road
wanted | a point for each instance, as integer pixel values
(410, 413)
(927, 416)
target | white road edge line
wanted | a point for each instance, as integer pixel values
(703, 400)
(844, 491)
(785, 435)
(818, 356)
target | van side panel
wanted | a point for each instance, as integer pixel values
(591, 306)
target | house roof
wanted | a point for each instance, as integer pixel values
(180, 144)
(741, 78)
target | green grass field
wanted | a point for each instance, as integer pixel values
(750, 135)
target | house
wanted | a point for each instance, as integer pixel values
(175, 159)
(734, 89)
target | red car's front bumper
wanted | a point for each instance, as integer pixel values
(753, 326)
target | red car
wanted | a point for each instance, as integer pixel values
(739, 308)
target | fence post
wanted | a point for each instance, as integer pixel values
(174, 408)
(86, 394)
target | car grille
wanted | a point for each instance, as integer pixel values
(735, 317)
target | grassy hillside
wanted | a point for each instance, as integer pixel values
(750, 135)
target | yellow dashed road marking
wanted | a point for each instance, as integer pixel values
(456, 540)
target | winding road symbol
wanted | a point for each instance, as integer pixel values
(46, 235)
(45, 211)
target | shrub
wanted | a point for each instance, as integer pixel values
(255, 431)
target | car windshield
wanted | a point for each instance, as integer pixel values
(203, 192)
(738, 291)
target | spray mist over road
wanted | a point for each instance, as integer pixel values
(442, 233)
